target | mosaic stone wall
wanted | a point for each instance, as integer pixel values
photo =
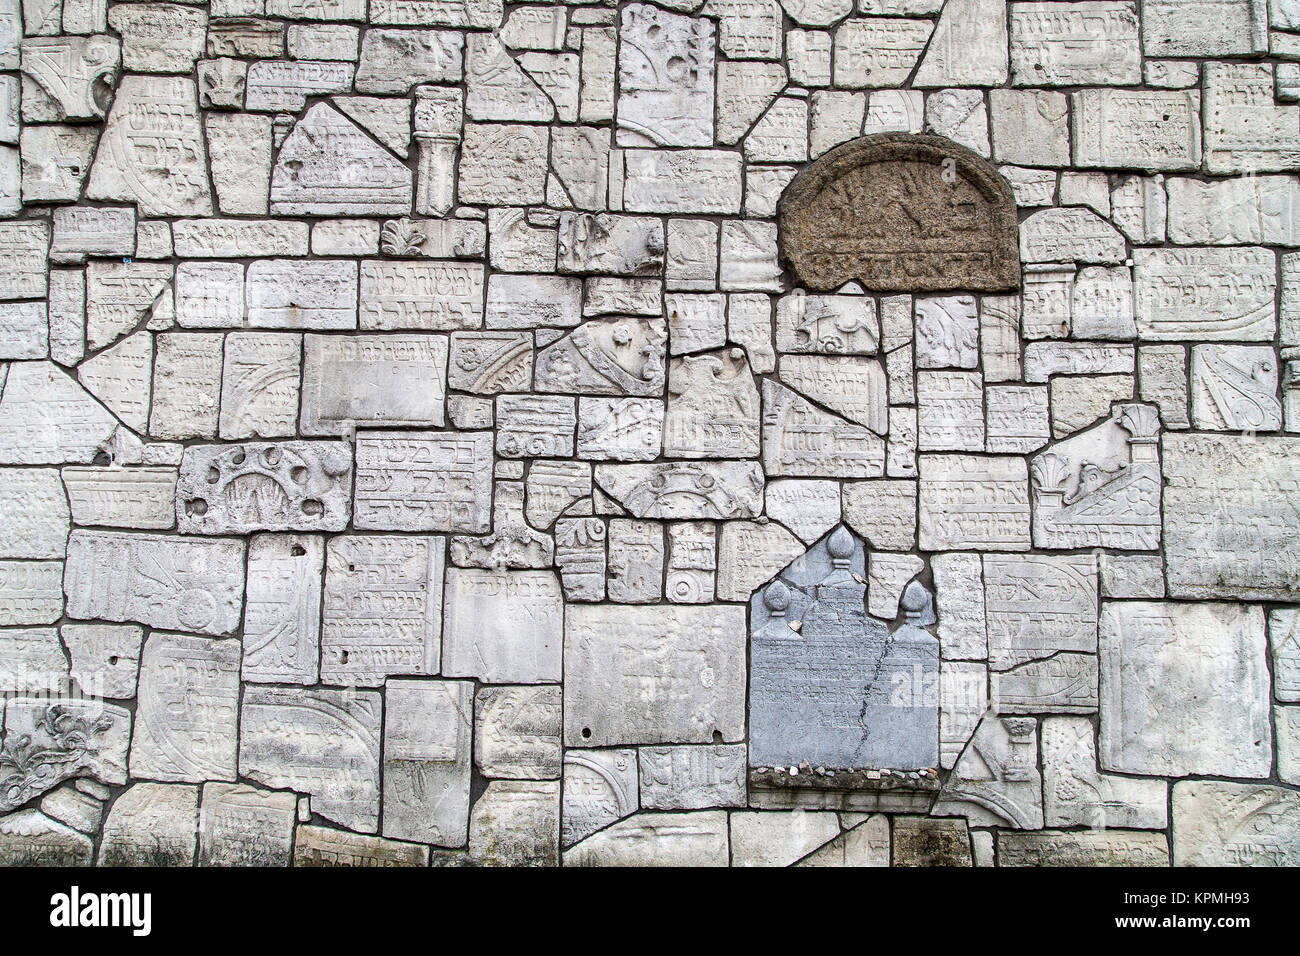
(414, 448)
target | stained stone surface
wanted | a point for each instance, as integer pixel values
(947, 238)
(424, 426)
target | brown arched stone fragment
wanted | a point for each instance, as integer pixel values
(901, 212)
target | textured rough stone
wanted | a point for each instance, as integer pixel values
(283, 609)
(29, 838)
(1234, 824)
(657, 839)
(1129, 129)
(516, 823)
(1152, 721)
(600, 787)
(36, 514)
(47, 418)
(779, 838)
(1076, 794)
(966, 241)
(1094, 42)
(800, 439)
(105, 657)
(503, 626)
(318, 846)
(427, 731)
(665, 79)
(920, 841)
(372, 380)
(517, 732)
(142, 498)
(152, 824)
(969, 501)
(244, 826)
(996, 781)
(1083, 848)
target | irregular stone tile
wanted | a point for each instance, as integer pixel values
(878, 52)
(1244, 130)
(832, 324)
(82, 231)
(142, 498)
(393, 495)
(1234, 387)
(497, 87)
(152, 824)
(606, 357)
(1046, 359)
(779, 838)
(867, 844)
(800, 439)
(528, 301)
(244, 36)
(950, 411)
(1128, 129)
(1153, 721)
(728, 489)
(666, 79)
(657, 839)
(969, 501)
(535, 426)
(996, 781)
(959, 115)
(1234, 824)
(129, 166)
(636, 561)
(490, 362)
(260, 385)
(923, 841)
(749, 554)
(534, 28)
(159, 37)
(1212, 28)
(46, 743)
(959, 593)
(244, 826)
(186, 386)
(71, 77)
(1038, 606)
(854, 387)
(105, 657)
(963, 702)
(516, 823)
(808, 508)
(614, 245)
(1071, 234)
(512, 544)
(692, 562)
(749, 324)
(427, 738)
(969, 46)
(1064, 683)
(503, 164)
(36, 514)
(695, 322)
(517, 732)
(748, 257)
(599, 52)
(580, 558)
(894, 111)
(283, 610)
(1139, 207)
(283, 86)
(29, 592)
(1082, 848)
(328, 166)
(186, 718)
(239, 152)
(1284, 643)
(1077, 794)
(25, 246)
(707, 181)
(1017, 418)
(554, 488)
(1088, 43)
(285, 293)
(29, 838)
(703, 692)
(1251, 552)
(372, 380)
(222, 84)
(1226, 302)
(692, 777)
(226, 238)
(382, 608)
(55, 161)
(887, 576)
(712, 407)
(744, 91)
(600, 787)
(209, 294)
(318, 846)
(322, 742)
(947, 332)
(393, 61)
(503, 626)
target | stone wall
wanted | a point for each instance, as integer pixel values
(424, 440)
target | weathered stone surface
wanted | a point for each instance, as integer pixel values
(606, 357)
(517, 732)
(834, 324)
(600, 787)
(620, 429)
(1154, 720)
(878, 52)
(535, 426)
(749, 554)
(105, 658)
(318, 846)
(996, 780)
(1074, 44)
(958, 237)
(283, 610)
(152, 824)
(46, 743)
(657, 839)
(383, 608)
(320, 741)
(394, 492)
(26, 245)
(244, 826)
(152, 150)
(29, 592)
(71, 77)
(969, 501)
(47, 418)
(122, 497)
(503, 164)
(427, 732)
(1228, 531)
(1129, 129)
(260, 385)
(866, 844)
(580, 556)
(682, 181)
(779, 838)
(665, 79)
(1234, 387)
(159, 37)
(692, 777)
(503, 626)
(393, 61)
(922, 841)
(614, 245)
(1244, 130)
(1075, 793)
(516, 823)
(712, 407)
(1083, 848)
(808, 508)
(950, 411)
(186, 385)
(372, 380)
(702, 694)
(1234, 824)
(490, 362)
(745, 89)
(1205, 293)
(163, 582)
(725, 489)
(284, 85)
(635, 561)
(800, 439)
(36, 514)
(29, 838)
(188, 709)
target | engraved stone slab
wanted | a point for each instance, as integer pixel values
(693, 777)
(860, 212)
(1075, 793)
(835, 324)
(393, 61)
(71, 77)
(800, 439)
(688, 180)
(244, 826)
(36, 514)
(878, 52)
(275, 86)
(1234, 387)
(29, 838)
(600, 787)
(421, 295)
(33, 661)
(1234, 824)
(516, 823)
(657, 839)
(1038, 606)
(383, 608)
(724, 489)
(606, 357)
(372, 380)
(1229, 530)
(669, 674)
(188, 709)
(264, 486)
(427, 732)
(25, 246)
(665, 79)
(122, 497)
(969, 501)
(1072, 44)
(620, 429)
(1205, 293)
(152, 824)
(164, 582)
(636, 561)
(283, 609)
(517, 732)
(712, 407)
(152, 150)
(318, 847)
(503, 626)
(259, 385)
(291, 294)
(105, 657)
(424, 481)
(1082, 848)
(1145, 129)
(320, 741)
(1156, 718)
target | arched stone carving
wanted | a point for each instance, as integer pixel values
(901, 212)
